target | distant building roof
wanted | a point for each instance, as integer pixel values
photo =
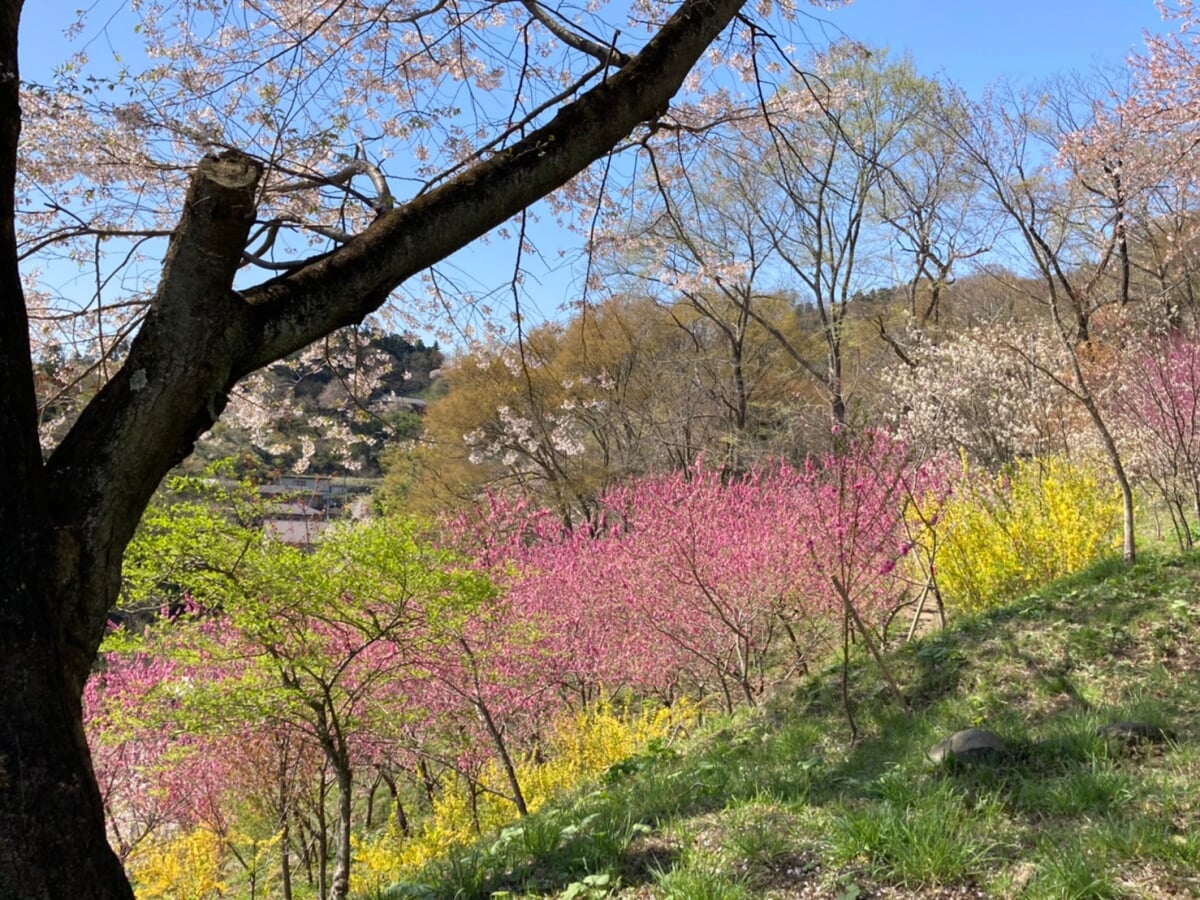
(298, 531)
(294, 510)
(411, 402)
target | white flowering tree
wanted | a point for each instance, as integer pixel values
(1064, 212)
(328, 409)
(980, 394)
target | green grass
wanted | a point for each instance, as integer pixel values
(775, 801)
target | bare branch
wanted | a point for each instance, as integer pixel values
(607, 55)
(382, 201)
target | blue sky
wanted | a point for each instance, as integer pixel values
(974, 42)
(970, 42)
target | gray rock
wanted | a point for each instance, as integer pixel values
(1133, 733)
(973, 745)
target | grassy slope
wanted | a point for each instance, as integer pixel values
(774, 803)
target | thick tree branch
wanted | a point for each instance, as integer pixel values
(343, 287)
(201, 337)
(167, 393)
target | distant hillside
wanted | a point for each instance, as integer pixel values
(330, 410)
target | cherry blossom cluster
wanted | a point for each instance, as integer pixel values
(980, 392)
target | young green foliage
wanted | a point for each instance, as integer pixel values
(329, 646)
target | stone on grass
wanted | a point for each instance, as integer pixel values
(972, 745)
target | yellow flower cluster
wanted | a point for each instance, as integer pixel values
(577, 748)
(1003, 536)
(583, 745)
(186, 866)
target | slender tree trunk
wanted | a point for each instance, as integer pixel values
(397, 805)
(340, 887)
(323, 841)
(1129, 541)
(428, 782)
(305, 847)
(485, 716)
(371, 792)
(510, 770)
(283, 798)
(285, 859)
(473, 794)
(847, 706)
(794, 642)
(852, 613)
(1083, 393)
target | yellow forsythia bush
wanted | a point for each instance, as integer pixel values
(1003, 536)
(581, 746)
(576, 748)
(186, 866)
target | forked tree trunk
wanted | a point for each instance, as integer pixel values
(64, 526)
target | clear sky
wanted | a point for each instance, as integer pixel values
(974, 42)
(970, 42)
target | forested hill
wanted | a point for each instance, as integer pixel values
(329, 410)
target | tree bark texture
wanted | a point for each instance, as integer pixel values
(65, 522)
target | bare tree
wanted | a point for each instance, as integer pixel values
(805, 200)
(1070, 232)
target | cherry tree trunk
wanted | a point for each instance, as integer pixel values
(65, 523)
(52, 836)
(52, 833)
